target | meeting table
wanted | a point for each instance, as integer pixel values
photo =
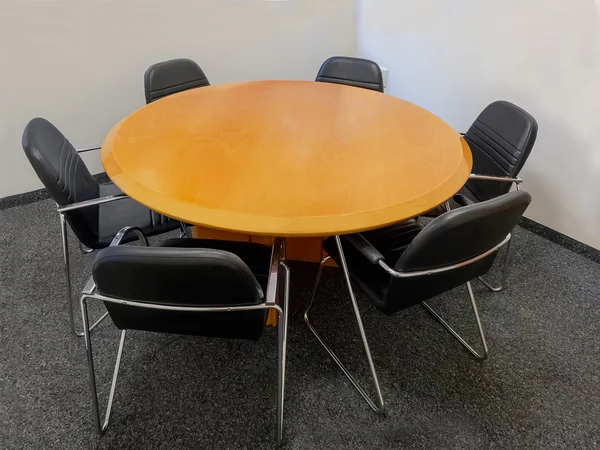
(291, 160)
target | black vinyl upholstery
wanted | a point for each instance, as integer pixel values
(170, 77)
(501, 139)
(115, 215)
(465, 197)
(68, 181)
(186, 272)
(393, 240)
(357, 72)
(63, 173)
(452, 238)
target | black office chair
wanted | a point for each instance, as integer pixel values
(405, 264)
(188, 286)
(501, 139)
(356, 72)
(95, 212)
(170, 77)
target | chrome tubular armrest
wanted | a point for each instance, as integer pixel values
(123, 232)
(163, 307)
(420, 273)
(87, 149)
(474, 176)
(276, 257)
(92, 202)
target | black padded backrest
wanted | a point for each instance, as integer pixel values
(356, 72)
(169, 77)
(64, 175)
(453, 237)
(464, 233)
(182, 277)
(501, 139)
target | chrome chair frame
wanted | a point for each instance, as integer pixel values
(380, 406)
(65, 244)
(517, 182)
(90, 293)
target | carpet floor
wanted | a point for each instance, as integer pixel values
(540, 388)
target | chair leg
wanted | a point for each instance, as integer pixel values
(380, 408)
(100, 426)
(502, 285)
(281, 352)
(477, 355)
(85, 250)
(67, 268)
(185, 231)
(65, 244)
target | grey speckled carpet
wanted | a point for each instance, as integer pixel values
(540, 389)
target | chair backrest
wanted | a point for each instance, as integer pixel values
(501, 139)
(356, 72)
(180, 277)
(452, 238)
(64, 175)
(169, 77)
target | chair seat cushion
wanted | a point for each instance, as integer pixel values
(464, 197)
(256, 256)
(115, 215)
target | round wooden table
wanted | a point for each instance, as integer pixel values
(286, 158)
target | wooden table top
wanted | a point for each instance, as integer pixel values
(286, 158)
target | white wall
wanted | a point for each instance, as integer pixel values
(454, 57)
(80, 63)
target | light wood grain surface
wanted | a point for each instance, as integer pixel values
(286, 158)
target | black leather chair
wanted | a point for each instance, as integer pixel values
(405, 264)
(501, 139)
(357, 72)
(95, 212)
(170, 77)
(188, 286)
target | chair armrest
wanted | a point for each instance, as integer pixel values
(124, 231)
(87, 149)
(92, 202)
(364, 247)
(420, 273)
(474, 176)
